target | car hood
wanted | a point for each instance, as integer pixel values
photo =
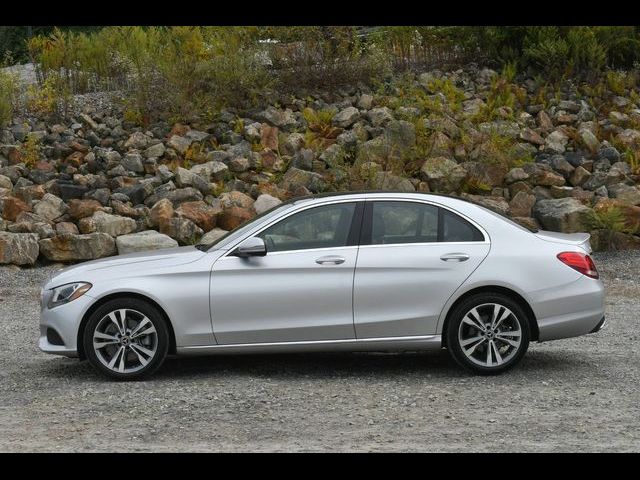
(122, 264)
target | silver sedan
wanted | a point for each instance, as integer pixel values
(358, 271)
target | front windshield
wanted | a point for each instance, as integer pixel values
(241, 230)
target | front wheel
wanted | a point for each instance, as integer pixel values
(488, 333)
(126, 339)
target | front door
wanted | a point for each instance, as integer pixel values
(301, 290)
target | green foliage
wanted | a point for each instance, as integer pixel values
(30, 150)
(175, 71)
(322, 57)
(609, 220)
(453, 94)
(503, 96)
(8, 94)
(49, 99)
(320, 133)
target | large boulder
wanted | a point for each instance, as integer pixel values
(562, 214)
(50, 207)
(345, 118)
(137, 140)
(18, 248)
(83, 208)
(12, 207)
(142, 241)
(627, 193)
(200, 213)
(284, 119)
(391, 182)
(68, 248)
(265, 202)
(182, 229)
(442, 174)
(213, 235)
(234, 217)
(295, 178)
(102, 222)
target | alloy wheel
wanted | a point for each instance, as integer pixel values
(490, 335)
(125, 340)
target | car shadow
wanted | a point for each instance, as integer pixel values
(310, 366)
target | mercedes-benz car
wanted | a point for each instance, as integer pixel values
(351, 272)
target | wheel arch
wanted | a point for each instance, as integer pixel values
(533, 323)
(101, 301)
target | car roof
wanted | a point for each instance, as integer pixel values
(366, 194)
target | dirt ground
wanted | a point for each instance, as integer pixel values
(579, 394)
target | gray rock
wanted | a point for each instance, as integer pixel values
(213, 235)
(294, 177)
(113, 225)
(137, 140)
(132, 162)
(442, 174)
(400, 135)
(563, 215)
(239, 165)
(18, 248)
(179, 144)
(50, 207)
(590, 140)
(68, 247)
(155, 151)
(380, 116)
(365, 101)
(303, 159)
(142, 241)
(210, 171)
(390, 181)
(5, 182)
(556, 141)
(279, 118)
(182, 229)
(627, 193)
(345, 118)
(265, 202)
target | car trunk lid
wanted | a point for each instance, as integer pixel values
(578, 239)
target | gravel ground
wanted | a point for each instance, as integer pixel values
(580, 394)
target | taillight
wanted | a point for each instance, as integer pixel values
(580, 262)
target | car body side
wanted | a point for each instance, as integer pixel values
(178, 281)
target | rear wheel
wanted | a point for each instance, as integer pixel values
(126, 339)
(488, 333)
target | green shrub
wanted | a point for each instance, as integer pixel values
(322, 57)
(8, 94)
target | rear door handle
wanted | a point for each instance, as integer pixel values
(454, 257)
(330, 260)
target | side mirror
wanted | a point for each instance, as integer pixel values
(252, 247)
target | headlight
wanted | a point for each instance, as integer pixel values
(67, 293)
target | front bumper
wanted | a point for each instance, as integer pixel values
(65, 321)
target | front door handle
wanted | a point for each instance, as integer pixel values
(454, 257)
(330, 260)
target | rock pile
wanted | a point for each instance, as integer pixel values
(98, 185)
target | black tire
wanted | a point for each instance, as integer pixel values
(481, 300)
(161, 337)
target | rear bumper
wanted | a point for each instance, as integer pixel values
(601, 324)
(577, 309)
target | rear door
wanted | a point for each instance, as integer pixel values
(413, 255)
